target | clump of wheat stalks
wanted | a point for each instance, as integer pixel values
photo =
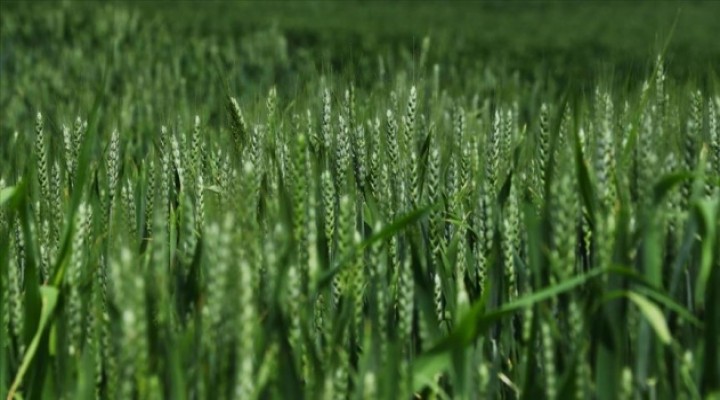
(403, 243)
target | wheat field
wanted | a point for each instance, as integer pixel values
(211, 217)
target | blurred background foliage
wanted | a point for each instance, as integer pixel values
(59, 55)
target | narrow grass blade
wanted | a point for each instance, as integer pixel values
(49, 296)
(477, 321)
(654, 316)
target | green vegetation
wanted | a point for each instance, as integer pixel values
(230, 201)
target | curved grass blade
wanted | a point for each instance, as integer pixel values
(654, 316)
(11, 196)
(49, 297)
(6, 194)
(667, 183)
(477, 321)
(388, 231)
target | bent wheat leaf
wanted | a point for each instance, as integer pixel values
(654, 316)
(476, 322)
(49, 297)
(6, 194)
